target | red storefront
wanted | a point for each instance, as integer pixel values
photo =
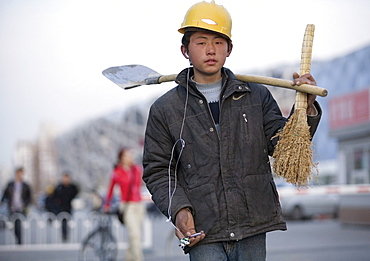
(350, 124)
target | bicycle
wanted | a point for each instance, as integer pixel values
(100, 244)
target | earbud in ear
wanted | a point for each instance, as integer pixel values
(186, 55)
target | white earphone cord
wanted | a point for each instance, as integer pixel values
(171, 194)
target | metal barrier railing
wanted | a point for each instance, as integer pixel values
(46, 229)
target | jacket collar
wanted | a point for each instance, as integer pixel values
(229, 82)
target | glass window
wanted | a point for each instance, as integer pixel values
(358, 159)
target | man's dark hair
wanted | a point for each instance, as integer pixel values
(19, 169)
(189, 32)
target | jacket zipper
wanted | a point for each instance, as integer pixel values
(245, 117)
(214, 123)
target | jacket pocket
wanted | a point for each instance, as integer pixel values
(261, 199)
(206, 208)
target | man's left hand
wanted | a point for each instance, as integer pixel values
(306, 79)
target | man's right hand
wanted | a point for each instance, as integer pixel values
(185, 223)
(106, 209)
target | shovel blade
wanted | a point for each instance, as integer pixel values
(130, 76)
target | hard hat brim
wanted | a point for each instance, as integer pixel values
(198, 29)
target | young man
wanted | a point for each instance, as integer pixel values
(17, 195)
(207, 144)
(63, 195)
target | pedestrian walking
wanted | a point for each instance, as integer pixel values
(17, 195)
(63, 195)
(128, 176)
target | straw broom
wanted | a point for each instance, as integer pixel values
(293, 152)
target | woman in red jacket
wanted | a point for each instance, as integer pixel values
(128, 176)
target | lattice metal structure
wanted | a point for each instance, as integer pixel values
(89, 151)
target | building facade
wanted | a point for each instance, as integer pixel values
(350, 125)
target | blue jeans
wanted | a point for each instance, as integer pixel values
(248, 249)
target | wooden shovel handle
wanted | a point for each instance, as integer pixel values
(305, 88)
(167, 78)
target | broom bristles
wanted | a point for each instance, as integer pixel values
(293, 153)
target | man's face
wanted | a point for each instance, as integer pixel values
(66, 180)
(19, 175)
(207, 53)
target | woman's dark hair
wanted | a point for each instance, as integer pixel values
(188, 33)
(119, 155)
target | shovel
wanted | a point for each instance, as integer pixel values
(131, 76)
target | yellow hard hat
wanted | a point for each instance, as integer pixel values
(208, 16)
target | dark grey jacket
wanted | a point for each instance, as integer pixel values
(223, 177)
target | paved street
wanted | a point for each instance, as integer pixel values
(317, 240)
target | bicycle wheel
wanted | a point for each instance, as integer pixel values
(108, 250)
(99, 246)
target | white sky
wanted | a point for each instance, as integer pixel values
(52, 52)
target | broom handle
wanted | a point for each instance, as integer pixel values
(306, 54)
